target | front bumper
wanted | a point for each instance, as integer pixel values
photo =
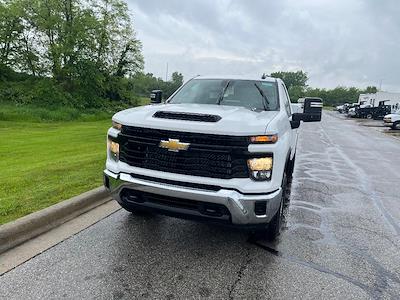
(241, 207)
(387, 123)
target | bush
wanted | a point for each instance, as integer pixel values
(92, 90)
(55, 114)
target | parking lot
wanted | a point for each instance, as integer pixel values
(341, 237)
(373, 124)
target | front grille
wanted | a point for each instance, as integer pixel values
(186, 116)
(215, 156)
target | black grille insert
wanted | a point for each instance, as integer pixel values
(186, 116)
(215, 156)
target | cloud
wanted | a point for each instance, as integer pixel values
(338, 42)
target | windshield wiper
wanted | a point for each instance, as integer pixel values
(221, 97)
(266, 102)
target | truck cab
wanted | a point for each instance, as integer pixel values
(220, 149)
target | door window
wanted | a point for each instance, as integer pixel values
(286, 101)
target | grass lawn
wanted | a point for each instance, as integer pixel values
(44, 163)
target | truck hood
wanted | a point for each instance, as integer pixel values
(393, 116)
(234, 120)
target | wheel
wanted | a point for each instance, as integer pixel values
(369, 116)
(291, 170)
(274, 227)
(396, 125)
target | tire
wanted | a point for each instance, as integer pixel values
(396, 125)
(369, 116)
(291, 170)
(275, 226)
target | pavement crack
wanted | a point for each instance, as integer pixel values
(240, 273)
(369, 290)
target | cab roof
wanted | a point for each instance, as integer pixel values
(236, 77)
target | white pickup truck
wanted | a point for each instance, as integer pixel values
(220, 149)
(392, 120)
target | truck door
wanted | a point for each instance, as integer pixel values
(287, 105)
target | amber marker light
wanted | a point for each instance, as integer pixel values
(264, 139)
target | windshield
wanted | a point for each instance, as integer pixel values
(252, 94)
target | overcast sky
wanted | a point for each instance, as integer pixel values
(337, 42)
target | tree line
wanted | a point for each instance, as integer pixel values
(72, 52)
(296, 83)
(85, 53)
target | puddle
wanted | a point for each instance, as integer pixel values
(391, 132)
(373, 125)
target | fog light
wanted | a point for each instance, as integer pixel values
(262, 175)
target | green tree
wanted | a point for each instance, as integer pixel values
(10, 31)
(296, 83)
(292, 79)
(82, 45)
(118, 49)
(143, 84)
(171, 86)
(177, 78)
(371, 90)
(60, 33)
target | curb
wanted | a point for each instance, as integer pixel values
(15, 233)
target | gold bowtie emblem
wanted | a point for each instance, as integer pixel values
(174, 145)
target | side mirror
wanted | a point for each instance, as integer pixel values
(312, 111)
(295, 124)
(156, 97)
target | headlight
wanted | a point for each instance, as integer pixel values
(260, 168)
(113, 149)
(116, 125)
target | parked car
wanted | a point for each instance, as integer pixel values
(220, 150)
(343, 109)
(351, 112)
(392, 120)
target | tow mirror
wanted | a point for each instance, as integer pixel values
(156, 96)
(295, 123)
(312, 110)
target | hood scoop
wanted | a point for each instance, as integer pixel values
(186, 116)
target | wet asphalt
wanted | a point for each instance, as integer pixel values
(341, 238)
